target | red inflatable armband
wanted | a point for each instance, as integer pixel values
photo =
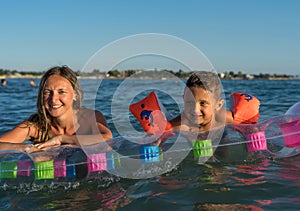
(148, 112)
(245, 108)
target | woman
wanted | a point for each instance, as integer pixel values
(60, 119)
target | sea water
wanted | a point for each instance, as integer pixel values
(269, 184)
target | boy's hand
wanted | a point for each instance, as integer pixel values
(163, 138)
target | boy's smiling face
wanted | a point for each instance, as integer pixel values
(199, 107)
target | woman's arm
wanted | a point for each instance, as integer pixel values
(99, 132)
(15, 146)
(19, 134)
(79, 140)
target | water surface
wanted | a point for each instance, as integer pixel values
(268, 184)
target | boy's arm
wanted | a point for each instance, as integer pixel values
(229, 117)
(224, 113)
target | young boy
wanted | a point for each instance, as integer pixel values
(202, 104)
(203, 107)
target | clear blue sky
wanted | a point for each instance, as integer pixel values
(257, 36)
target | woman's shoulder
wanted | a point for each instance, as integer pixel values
(87, 113)
(85, 110)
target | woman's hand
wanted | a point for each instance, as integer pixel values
(30, 148)
(53, 142)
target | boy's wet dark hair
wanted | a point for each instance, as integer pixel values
(206, 80)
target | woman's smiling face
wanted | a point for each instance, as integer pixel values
(58, 96)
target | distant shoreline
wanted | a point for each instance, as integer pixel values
(117, 78)
(19, 77)
(149, 74)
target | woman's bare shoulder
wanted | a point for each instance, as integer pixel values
(87, 111)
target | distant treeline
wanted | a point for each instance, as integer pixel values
(4, 72)
(127, 73)
(240, 75)
(183, 74)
